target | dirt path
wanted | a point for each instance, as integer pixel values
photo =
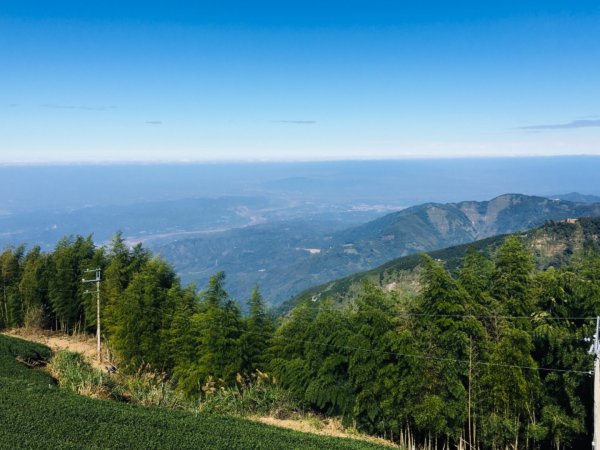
(84, 344)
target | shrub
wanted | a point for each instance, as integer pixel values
(73, 373)
(152, 389)
(257, 395)
(34, 318)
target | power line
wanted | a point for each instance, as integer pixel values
(595, 350)
(491, 316)
(494, 316)
(404, 315)
(396, 354)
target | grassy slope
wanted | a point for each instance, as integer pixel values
(34, 413)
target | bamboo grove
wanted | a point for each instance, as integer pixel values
(489, 356)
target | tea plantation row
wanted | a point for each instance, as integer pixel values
(34, 413)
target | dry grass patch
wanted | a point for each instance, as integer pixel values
(84, 344)
(323, 427)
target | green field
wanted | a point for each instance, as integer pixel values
(35, 413)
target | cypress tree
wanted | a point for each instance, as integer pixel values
(123, 263)
(327, 357)
(215, 335)
(138, 324)
(11, 314)
(66, 292)
(474, 277)
(33, 287)
(257, 334)
(372, 342)
(288, 361)
(512, 279)
(446, 333)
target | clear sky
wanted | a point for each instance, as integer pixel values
(287, 80)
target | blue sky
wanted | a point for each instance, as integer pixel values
(174, 81)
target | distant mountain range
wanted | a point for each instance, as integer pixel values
(286, 258)
(577, 197)
(553, 244)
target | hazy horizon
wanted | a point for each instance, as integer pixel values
(403, 181)
(369, 158)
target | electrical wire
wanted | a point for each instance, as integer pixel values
(406, 355)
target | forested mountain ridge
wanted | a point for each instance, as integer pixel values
(577, 197)
(552, 244)
(489, 350)
(469, 220)
(284, 259)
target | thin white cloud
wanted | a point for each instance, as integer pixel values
(78, 107)
(582, 123)
(297, 122)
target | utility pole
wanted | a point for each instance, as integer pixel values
(595, 350)
(97, 292)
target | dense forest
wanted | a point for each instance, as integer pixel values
(492, 355)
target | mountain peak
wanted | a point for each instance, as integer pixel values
(577, 197)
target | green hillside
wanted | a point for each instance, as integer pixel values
(552, 244)
(286, 258)
(35, 413)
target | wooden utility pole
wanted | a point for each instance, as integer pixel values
(96, 280)
(470, 421)
(595, 350)
(596, 444)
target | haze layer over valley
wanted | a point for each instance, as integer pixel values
(285, 258)
(289, 226)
